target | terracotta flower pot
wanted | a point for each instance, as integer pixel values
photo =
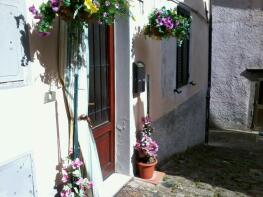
(146, 169)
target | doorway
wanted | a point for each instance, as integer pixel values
(258, 106)
(101, 94)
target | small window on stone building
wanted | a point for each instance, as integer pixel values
(182, 60)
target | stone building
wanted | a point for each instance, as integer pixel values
(237, 63)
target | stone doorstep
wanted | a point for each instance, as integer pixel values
(156, 179)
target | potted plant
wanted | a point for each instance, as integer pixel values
(165, 23)
(146, 149)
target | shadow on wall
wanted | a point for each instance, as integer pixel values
(138, 111)
(240, 4)
(35, 47)
(212, 123)
(139, 46)
(199, 5)
(139, 50)
(45, 51)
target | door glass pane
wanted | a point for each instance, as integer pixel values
(99, 100)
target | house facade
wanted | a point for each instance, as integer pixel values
(34, 120)
(236, 92)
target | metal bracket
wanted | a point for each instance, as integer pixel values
(192, 83)
(177, 91)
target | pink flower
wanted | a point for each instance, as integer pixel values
(76, 163)
(90, 185)
(79, 182)
(64, 176)
(70, 151)
(65, 193)
(146, 120)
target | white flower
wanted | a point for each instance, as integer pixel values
(107, 3)
(117, 6)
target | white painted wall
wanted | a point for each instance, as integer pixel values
(27, 124)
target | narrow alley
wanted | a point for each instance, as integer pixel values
(230, 165)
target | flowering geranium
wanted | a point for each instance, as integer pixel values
(77, 12)
(147, 127)
(165, 23)
(145, 146)
(74, 185)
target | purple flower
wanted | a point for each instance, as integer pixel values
(76, 163)
(168, 22)
(54, 5)
(33, 10)
(43, 34)
(159, 21)
(165, 21)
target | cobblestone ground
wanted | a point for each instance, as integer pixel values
(230, 166)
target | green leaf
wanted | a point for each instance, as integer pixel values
(67, 3)
(76, 173)
(77, 11)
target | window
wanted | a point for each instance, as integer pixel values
(99, 74)
(182, 60)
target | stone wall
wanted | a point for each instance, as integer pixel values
(181, 128)
(237, 44)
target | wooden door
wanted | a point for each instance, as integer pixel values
(102, 106)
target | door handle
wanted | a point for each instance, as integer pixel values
(86, 118)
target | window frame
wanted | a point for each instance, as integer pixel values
(182, 63)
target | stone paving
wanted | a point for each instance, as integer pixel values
(231, 165)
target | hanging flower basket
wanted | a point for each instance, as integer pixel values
(77, 12)
(165, 23)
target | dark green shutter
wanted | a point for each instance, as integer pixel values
(182, 62)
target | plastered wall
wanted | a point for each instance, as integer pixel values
(237, 45)
(160, 60)
(27, 123)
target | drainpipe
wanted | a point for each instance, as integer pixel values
(209, 74)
